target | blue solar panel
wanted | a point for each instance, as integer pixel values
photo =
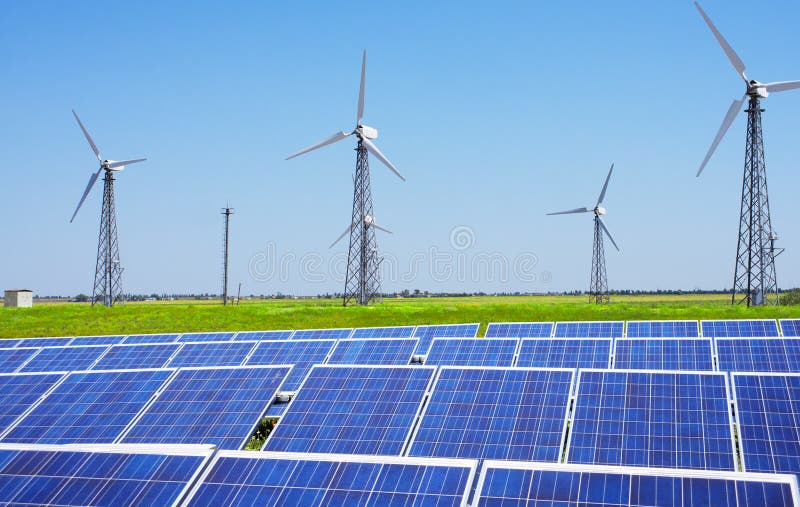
(519, 330)
(212, 354)
(45, 342)
(89, 407)
(373, 351)
(64, 358)
(598, 329)
(495, 413)
(472, 352)
(12, 359)
(653, 419)
(126, 357)
(693, 354)
(151, 338)
(353, 410)
(19, 391)
(565, 352)
(322, 334)
(662, 329)
(263, 335)
(206, 337)
(559, 485)
(745, 328)
(97, 340)
(790, 327)
(426, 334)
(112, 475)
(383, 332)
(768, 421)
(758, 354)
(303, 354)
(246, 478)
(8, 343)
(220, 406)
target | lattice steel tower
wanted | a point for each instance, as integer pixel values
(598, 283)
(227, 212)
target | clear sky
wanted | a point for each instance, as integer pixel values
(496, 113)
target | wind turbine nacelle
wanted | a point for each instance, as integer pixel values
(369, 132)
(600, 210)
(116, 169)
(756, 89)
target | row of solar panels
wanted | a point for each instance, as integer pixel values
(199, 476)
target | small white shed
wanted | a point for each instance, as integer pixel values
(18, 298)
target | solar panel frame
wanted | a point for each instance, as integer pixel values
(631, 365)
(300, 394)
(680, 497)
(520, 330)
(420, 425)
(128, 437)
(297, 371)
(588, 329)
(581, 373)
(448, 359)
(211, 336)
(644, 329)
(10, 361)
(335, 333)
(192, 498)
(747, 354)
(97, 340)
(347, 351)
(285, 334)
(191, 352)
(137, 348)
(144, 339)
(559, 341)
(789, 327)
(45, 341)
(64, 358)
(734, 328)
(383, 332)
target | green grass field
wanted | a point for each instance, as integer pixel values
(75, 319)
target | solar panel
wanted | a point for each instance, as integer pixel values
(64, 358)
(151, 338)
(790, 327)
(126, 357)
(8, 343)
(519, 330)
(88, 407)
(565, 352)
(548, 485)
(98, 475)
(662, 329)
(303, 354)
(726, 328)
(270, 478)
(472, 351)
(206, 337)
(694, 354)
(383, 332)
(373, 351)
(353, 410)
(19, 391)
(597, 329)
(12, 359)
(426, 334)
(45, 342)
(220, 406)
(768, 421)
(97, 340)
(322, 334)
(263, 335)
(211, 354)
(495, 413)
(758, 354)
(653, 419)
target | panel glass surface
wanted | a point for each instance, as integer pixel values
(472, 352)
(692, 354)
(383, 332)
(206, 337)
(758, 354)
(64, 358)
(565, 353)
(263, 335)
(426, 334)
(122, 357)
(45, 342)
(790, 327)
(19, 391)
(745, 328)
(373, 351)
(662, 329)
(519, 330)
(151, 338)
(96, 340)
(303, 354)
(319, 334)
(211, 354)
(599, 329)
(12, 359)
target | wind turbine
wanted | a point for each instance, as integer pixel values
(362, 282)
(598, 285)
(108, 270)
(754, 276)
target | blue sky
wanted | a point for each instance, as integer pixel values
(496, 113)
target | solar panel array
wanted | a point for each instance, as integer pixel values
(759, 354)
(211, 353)
(373, 351)
(206, 337)
(662, 329)
(736, 328)
(596, 329)
(152, 338)
(519, 330)
(790, 327)
(317, 334)
(126, 357)
(12, 359)
(64, 358)
(264, 335)
(97, 340)
(565, 352)
(383, 332)
(692, 354)
(303, 354)
(472, 352)
(19, 392)
(426, 334)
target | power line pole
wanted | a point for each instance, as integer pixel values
(227, 212)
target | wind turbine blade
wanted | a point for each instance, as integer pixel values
(373, 224)
(726, 123)
(576, 210)
(361, 88)
(88, 138)
(608, 233)
(605, 186)
(781, 86)
(375, 151)
(346, 231)
(732, 56)
(123, 163)
(92, 179)
(332, 139)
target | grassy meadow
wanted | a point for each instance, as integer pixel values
(76, 319)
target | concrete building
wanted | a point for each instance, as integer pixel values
(18, 298)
